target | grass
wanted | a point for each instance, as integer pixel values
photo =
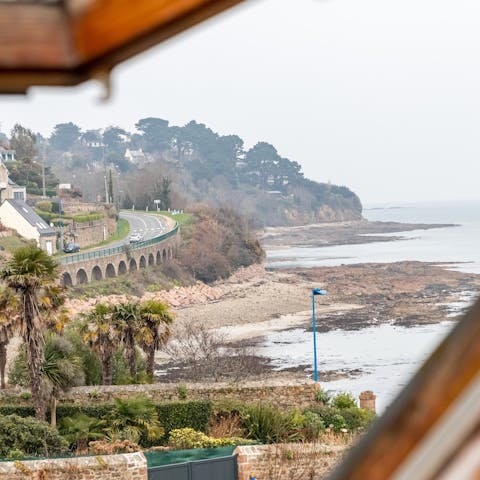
(183, 219)
(13, 242)
(122, 231)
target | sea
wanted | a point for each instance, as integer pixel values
(387, 355)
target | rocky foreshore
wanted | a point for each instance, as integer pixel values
(339, 233)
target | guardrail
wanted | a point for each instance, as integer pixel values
(107, 252)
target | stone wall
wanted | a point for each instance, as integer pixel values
(300, 395)
(128, 466)
(295, 461)
(86, 233)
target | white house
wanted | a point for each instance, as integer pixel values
(6, 154)
(8, 188)
(137, 157)
(19, 216)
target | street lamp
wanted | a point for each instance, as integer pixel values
(315, 291)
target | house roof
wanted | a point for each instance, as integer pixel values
(66, 42)
(12, 183)
(31, 217)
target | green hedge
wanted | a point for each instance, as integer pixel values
(20, 410)
(194, 414)
(172, 415)
(88, 217)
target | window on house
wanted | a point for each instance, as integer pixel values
(18, 196)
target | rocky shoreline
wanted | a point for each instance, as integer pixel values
(341, 233)
(255, 302)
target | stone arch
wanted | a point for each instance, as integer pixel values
(170, 253)
(110, 271)
(122, 268)
(81, 276)
(133, 265)
(151, 260)
(67, 279)
(164, 255)
(159, 258)
(96, 273)
(143, 262)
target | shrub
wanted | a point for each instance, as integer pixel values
(44, 206)
(104, 447)
(353, 418)
(357, 418)
(268, 424)
(182, 392)
(313, 426)
(344, 400)
(30, 437)
(322, 396)
(185, 438)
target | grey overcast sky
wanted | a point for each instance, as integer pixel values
(380, 95)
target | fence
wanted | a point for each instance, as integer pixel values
(223, 468)
(106, 252)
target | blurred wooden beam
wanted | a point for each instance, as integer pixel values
(109, 32)
(66, 43)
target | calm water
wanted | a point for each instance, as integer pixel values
(452, 244)
(388, 355)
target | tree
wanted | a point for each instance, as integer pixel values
(23, 141)
(156, 134)
(112, 138)
(155, 317)
(126, 317)
(9, 325)
(64, 136)
(61, 370)
(27, 272)
(103, 336)
(162, 193)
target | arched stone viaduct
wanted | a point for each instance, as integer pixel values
(108, 263)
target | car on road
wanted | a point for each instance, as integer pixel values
(136, 237)
(71, 248)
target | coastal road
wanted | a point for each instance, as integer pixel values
(147, 224)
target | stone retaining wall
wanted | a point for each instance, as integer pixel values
(295, 461)
(128, 466)
(300, 395)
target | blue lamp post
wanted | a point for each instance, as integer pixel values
(315, 291)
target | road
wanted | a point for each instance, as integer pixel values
(149, 225)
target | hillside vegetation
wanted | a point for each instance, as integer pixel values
(181, 166)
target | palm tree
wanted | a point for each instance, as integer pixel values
(126, 317)
(135, 418)
(155, 317)
(103, 336)
(61, 370)
(9, 325)
(80, 429)
(27, 272)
